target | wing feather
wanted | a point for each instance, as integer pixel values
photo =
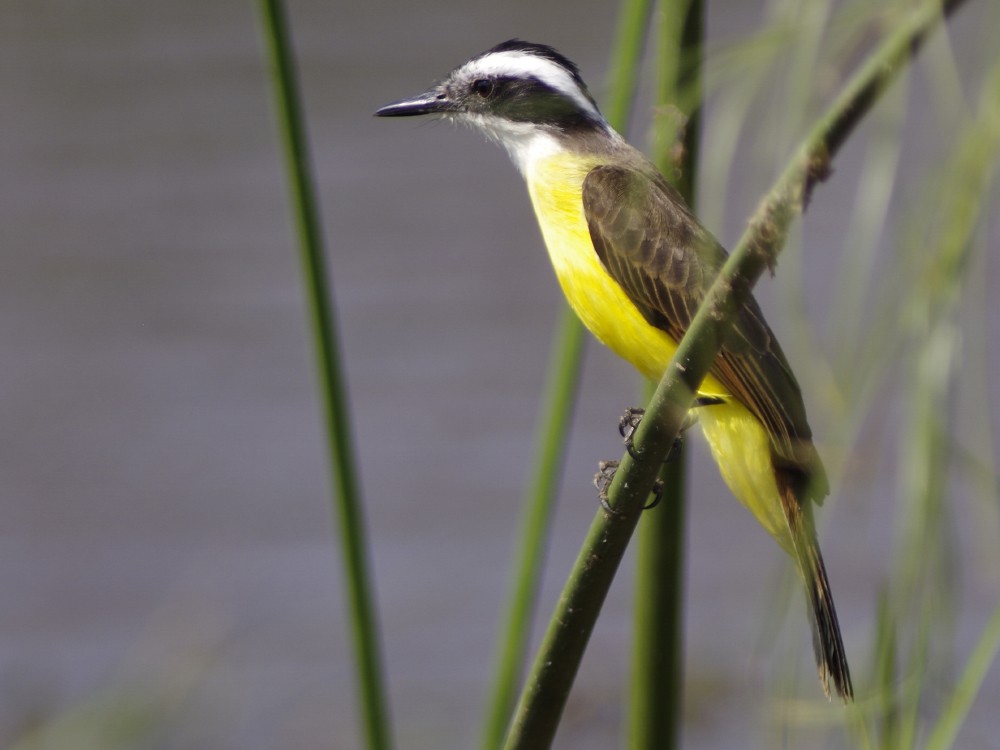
(652, 245)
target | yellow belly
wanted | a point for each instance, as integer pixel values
(556, 186)
(742, 449)
(737, 439)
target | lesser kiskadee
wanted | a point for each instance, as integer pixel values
(634, 263)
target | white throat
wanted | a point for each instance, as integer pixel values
(525, 142)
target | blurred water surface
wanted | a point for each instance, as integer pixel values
(166, 524)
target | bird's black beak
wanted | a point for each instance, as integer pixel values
(432, 101)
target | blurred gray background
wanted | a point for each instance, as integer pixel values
(166, 529)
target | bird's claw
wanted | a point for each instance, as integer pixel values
(629, 422)
(627, 426)
(602, 481)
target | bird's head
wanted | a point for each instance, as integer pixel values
(522, 94)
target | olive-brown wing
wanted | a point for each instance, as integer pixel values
(651, 244)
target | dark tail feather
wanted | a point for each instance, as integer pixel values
(831, 659)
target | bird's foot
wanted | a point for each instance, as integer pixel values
(627, 426)
(629, 422)
(602, 481)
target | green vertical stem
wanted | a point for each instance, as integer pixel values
(658, 636)
(560, 398)
(553, 431)
(634, 19)
(966, 690)
(347, 503)
(656, 695)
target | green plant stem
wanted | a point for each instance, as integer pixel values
(656, 693)
(655, 698)
(332, 385)
(957, 707)
(885, 673)
(547, 689)
(554, 426)
(634, 18)
(560, 398)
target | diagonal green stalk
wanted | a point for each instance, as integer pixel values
(553, 430)
(957, 708)
(347, 503)
(655, 699)
(544, 698)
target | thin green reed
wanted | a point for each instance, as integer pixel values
(347, 500)
(655, 695)
(537, 509)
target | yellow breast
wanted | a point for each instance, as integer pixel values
(555, 184)
(737, 439)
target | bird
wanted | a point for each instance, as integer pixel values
(634, 263)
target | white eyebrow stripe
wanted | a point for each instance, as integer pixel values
(522, 65)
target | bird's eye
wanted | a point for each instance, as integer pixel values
(484, 87)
